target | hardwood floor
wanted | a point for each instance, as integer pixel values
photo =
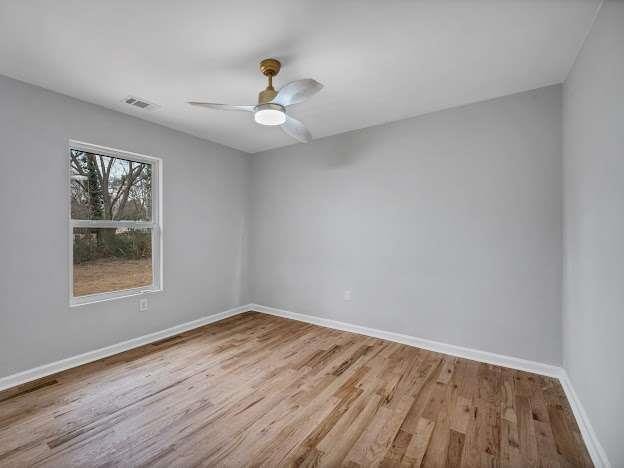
(261, 390)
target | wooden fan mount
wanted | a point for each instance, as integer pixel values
(270, 67)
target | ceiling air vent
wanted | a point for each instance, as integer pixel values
(140, 103)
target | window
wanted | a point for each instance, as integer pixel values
(115, 231)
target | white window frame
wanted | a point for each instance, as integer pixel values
(155, 224)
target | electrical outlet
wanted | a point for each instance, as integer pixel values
(143, 305)
(347, 295)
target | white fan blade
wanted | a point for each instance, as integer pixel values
(227, 107)
(295, 129)
(297, 91)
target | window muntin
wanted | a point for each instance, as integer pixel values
(114, 217)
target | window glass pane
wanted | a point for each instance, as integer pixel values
(108, 260)
(104, 187)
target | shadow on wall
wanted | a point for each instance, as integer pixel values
(341, 152)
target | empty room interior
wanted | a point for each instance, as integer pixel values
(293, 233)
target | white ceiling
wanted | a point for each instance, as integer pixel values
(379, 60)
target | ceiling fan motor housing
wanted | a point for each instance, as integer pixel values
(266, 95)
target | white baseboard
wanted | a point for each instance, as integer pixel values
(459, 351)
(90, 356)
(596, 451)
(594, 447)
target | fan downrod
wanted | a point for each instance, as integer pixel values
(269, 67)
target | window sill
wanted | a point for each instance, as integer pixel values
(107, 297)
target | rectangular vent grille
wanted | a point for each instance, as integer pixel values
(140, 103)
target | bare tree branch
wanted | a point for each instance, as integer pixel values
(76, 164)
(127, 184)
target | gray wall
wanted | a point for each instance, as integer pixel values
(204, 206)
(445, 226)
(593, 318)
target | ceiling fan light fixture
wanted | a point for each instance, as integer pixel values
(272, 105)
(269, 114)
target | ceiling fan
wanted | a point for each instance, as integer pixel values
(272, 105)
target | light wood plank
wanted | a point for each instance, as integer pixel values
(258, 390)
